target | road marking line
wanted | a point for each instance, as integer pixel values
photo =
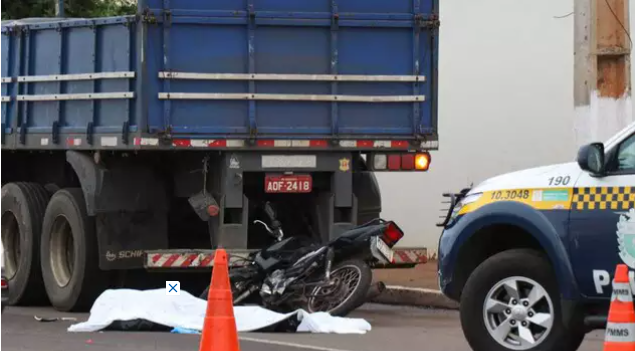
(288, 344)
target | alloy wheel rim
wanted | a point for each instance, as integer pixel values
(518, 313)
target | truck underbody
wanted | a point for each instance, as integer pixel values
(143, 206)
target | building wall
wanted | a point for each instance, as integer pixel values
(505, 103)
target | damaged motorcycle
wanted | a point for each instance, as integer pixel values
(299, 273)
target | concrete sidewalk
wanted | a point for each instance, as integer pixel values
(422, 276)
(412, 287)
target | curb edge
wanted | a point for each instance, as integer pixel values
(405, 296)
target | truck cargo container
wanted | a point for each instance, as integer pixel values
(141, 143)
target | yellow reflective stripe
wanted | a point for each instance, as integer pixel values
(539, 199)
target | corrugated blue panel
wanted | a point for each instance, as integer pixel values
(115, 54)
(362, 37)
(357, 6)
(200, 116)
(74, 47)
(7, 65)
(198, 5)
(293, 37)
(79, 56)
(44, 50)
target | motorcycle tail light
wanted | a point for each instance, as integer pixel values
(392, 234)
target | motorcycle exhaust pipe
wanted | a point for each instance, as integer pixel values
(375, 290)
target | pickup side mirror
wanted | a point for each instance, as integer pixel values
(591, 158)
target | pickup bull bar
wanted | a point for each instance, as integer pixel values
(454, 200)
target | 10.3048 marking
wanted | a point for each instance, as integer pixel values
(510, 195)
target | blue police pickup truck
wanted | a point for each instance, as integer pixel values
(530, 255)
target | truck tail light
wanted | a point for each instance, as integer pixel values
(394, 162)
(401, 162)
(422, 162)
(407, 162)
(392, 234)
(380, 162)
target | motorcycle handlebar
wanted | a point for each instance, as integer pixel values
(270, 212)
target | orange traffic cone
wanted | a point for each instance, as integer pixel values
(219, 329)
(620, 329)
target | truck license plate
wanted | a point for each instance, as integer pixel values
(385, 250)
(288, 184)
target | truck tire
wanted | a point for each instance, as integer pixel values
(23, 206)
(515, 293)
(70, 261)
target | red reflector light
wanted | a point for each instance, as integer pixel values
(399, 144)
(319, 143)
(5, 283)
(394, 162)
(392, 234)
(213, 210)
(365, 143)
(408, 162)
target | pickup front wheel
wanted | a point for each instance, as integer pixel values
(511, 302)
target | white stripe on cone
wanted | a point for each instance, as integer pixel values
(620, 332)
(622, 292)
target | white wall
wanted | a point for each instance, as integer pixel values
(505, 103)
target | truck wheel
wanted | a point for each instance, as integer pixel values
(70, 261)
(511, 302)
(23, 206)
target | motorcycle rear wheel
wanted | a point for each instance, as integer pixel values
(352, 280)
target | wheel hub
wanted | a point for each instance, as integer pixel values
(62, 251)
(518, 313)
(344, 281)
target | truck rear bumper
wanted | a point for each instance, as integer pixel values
(204, 259)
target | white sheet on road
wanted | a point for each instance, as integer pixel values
(188, 312)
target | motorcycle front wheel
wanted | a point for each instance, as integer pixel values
(350, 282)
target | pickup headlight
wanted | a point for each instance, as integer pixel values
(468, 199)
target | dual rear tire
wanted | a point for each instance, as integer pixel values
(69, 254)
(50, 248)
(23, 208)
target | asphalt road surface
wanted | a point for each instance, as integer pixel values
(417, 329)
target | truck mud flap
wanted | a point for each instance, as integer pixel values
(407, 258)
(190, 259)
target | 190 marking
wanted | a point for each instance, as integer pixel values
(559, 180)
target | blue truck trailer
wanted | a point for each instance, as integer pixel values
(141, 143)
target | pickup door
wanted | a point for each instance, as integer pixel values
(602, 222)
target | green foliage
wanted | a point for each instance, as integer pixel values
(17, 9)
